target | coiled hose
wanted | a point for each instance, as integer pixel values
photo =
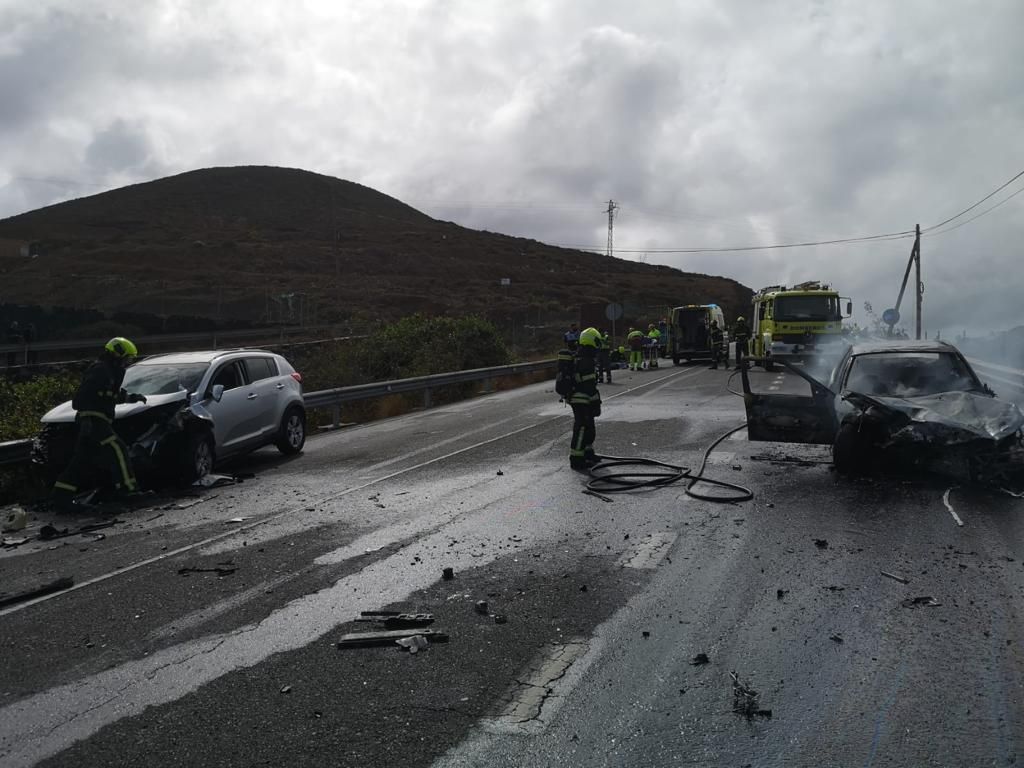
(602, 481)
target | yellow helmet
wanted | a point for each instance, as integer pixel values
(122, 348)
(590, 337)
(741, 319)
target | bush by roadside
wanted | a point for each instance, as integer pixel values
(22, 403)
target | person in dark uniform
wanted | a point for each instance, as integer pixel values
(741, 335)
(604, 359)
(716, 345)
(585, 401)
(98, 446)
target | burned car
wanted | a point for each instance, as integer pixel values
(200, 407)
(899, 402)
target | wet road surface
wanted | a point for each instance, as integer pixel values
(606, 605)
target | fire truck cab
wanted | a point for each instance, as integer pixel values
(796, 323)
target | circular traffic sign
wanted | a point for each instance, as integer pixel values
(891, 316)
(613, 311)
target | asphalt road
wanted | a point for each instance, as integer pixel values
(606, 606)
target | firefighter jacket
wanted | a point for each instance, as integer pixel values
(585, 389)
(716, 338)
(741, 333)
(100, 390)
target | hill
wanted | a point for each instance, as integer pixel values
(261, 244)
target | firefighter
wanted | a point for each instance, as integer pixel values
(585, 401)
(653, 345)
(716, 345)
(741, 334)
(604, 359)
(97, 446)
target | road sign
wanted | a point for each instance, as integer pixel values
(613, 312)
(506, 281)
(891, 316)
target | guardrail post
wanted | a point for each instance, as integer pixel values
(336, 415)
(488, 386)
(426, 397)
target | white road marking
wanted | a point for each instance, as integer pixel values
(721, 457)
(945, 500)
(526, 699)
(773, 389)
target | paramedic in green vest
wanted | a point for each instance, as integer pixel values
(741, 335)
(98, 449)
(635, 342)
(585, 401)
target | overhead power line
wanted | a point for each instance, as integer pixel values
(975, 216)
(991, 194)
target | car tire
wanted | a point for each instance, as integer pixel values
(199, 458)
(850, 454)
(675, 359)
(769, 364)
(292, 434)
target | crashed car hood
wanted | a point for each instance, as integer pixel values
(65, 414)
(958, 416)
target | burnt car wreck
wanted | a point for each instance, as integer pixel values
(898, 404)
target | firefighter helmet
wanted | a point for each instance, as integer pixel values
(590, 338)
(121, 348)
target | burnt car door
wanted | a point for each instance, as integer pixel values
(786, 418)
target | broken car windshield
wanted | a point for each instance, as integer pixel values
(908, 374)
(794, 308)
(163, 379)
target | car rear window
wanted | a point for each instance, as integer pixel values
(261, 368)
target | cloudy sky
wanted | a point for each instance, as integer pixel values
(712, 123)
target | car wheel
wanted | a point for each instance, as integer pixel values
(199, 456)
(675, 359)
(769, 364)
(292, 435)
(850, 451)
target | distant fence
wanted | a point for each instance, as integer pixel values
(19, 451)
(22, 354)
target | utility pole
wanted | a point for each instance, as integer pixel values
(612, 207)
(915, 261)
(920, 285)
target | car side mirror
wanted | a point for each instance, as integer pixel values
(849, 309)
(217, 392)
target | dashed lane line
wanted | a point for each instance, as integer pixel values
(323, 499)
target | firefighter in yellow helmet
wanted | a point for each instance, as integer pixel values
(97, 446)
(585, 401)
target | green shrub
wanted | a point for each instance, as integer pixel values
(23, 403)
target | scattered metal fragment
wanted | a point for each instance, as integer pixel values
(12, 543)
(821, 543)
(836, 638)
(894, 577)
(926, 601)
(945, 500)
(236, 520)
(700, 660)
(98, 526)
(387, 637)
(781, 593)
(219, 570)
(481, 606)
(597, 495)
(58, 585)
(645, 634)
(500, 619)
(499, 473)
(48, 532)
(448, 574)
(200, 500)
(400, 620)
(286, 689)
(745, 699)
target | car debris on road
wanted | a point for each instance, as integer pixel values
(387, 637)
(745, 700)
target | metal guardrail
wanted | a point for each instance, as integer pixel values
(19, 451)
(998, 374)
(15, 452)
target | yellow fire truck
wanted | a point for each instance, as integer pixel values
(796, 323)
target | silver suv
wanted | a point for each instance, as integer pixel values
(201, 407)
